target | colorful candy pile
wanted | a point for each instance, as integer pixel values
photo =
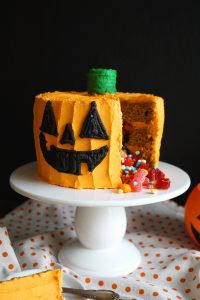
(137, 174)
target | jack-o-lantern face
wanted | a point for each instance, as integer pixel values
(192, 214)
(78, 139)
(195, 227)
(69, 161)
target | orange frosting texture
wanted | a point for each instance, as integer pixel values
(41, 286)
(73, 107)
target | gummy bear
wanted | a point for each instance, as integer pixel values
(162, 183)
(146, 182)
(136, 187)
(140, 175)
(159, 174)
(151, 174)
(128, 162)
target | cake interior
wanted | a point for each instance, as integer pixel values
(138, 127)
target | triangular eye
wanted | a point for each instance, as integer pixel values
(49, 121)
(93, 126)
(68, 135)
(198, 217)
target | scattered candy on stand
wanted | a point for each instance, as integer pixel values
(137, 174)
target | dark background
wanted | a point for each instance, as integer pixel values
(155, 46)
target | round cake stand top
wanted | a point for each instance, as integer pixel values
(25, 181)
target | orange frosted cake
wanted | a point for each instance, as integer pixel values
(78, 135)
(42, 286)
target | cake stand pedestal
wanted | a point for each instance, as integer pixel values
(101, 248)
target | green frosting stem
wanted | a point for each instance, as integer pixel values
(101, 81)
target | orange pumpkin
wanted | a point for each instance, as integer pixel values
(192, 214)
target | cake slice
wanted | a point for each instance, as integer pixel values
(41, 286)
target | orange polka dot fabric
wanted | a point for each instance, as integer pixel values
(8, 260)
(170, 261)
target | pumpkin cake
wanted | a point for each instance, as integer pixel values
(78, 135)
(41, 286)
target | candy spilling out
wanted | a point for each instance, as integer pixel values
(137, 174)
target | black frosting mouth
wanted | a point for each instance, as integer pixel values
(69, 161)
(196, 233)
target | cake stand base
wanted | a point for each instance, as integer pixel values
(117, 261)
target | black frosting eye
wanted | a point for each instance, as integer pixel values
(198, 217)
(93, 126)
(68, 135)
(49, 122)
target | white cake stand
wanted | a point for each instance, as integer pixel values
(100, 220)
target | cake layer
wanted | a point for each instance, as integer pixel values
(42, 286)
(144, 116)
(78, 139)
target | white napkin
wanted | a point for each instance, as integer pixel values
(170, 261)
(8, 260)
